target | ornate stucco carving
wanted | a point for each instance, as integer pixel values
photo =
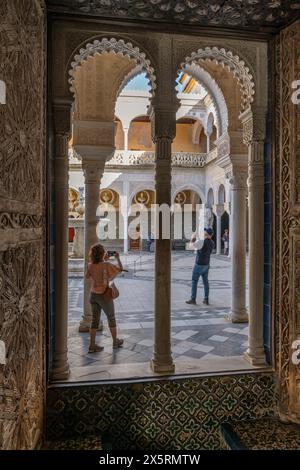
(287, 171)
(223, 146)
(21, 300)
(195, 12)
(22, 190)
(233, 62)
(15, 220)
(113, 46)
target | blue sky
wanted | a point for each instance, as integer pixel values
(140, 82)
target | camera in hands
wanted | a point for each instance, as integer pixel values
(111, 253)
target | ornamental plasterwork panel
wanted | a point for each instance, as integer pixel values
(20, 135)
(22, 191)
(72, 41)
(287, 169)
(21, 328)
(232, 13)
(252, 53)
(113, 46)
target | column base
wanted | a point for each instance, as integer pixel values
(238, 317)
(60, 372)
(258, 359)
(162, 368)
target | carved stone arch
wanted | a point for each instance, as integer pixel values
(112, 46)
(185, 187)
(213, 89)
(197, 129)
(240, 69)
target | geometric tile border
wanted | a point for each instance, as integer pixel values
(162, 414)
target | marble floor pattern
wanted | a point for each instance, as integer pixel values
(200, 334)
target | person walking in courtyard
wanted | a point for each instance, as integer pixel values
(100, 272)
(201, 267)
(225, 239)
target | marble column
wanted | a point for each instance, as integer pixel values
(219, 210)
(93, 169)
(163, 129)
(60, 366)
(228, 210)
(255, 352)
(254, 131)
(126, 131)
(237, 233)
(207, 143)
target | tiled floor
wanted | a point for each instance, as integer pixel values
(200, 334)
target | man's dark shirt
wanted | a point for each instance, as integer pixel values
(203, 255)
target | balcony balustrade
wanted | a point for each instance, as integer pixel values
(138, 158)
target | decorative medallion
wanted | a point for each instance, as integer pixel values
(180, 198)
(107, 196)
(142, 197)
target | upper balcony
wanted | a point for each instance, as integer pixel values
(140, 158)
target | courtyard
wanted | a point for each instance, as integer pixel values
(203, 339)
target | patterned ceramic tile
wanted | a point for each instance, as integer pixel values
(265, 434)
(177, 414)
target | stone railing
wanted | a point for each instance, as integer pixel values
(186, 159)
(131, 158)
(144, 158)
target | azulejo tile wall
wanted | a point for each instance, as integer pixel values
(166, 414)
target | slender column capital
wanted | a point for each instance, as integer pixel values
(93, 161)
(92, 171)
(237, 180)
(163, 118)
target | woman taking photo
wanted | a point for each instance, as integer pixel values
(100, 272)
